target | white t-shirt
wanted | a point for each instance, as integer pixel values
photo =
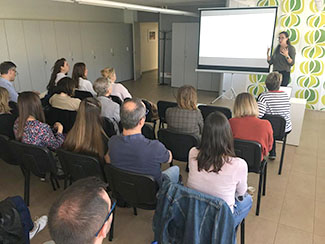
(229, 182)
(120, 91)
(86, 85)
(59, 76)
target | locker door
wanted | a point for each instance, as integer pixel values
(4, 54)
(63, 42)
(17, 53)
(35, 55)
(75, 43)
(48, 46)
(191, 52)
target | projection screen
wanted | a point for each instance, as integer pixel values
(236, 39)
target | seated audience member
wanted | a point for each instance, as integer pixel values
(59, 70)
(16, 225)
(8, 74)
(79, 75)
(186, 117)
(110, 109)
(62, 98)
(6, 118)
(84, 137)
(274, 102)
(246, 126)
(82, 214)
(133, 152)
(30, 126)
(117, 89)
(215, 170)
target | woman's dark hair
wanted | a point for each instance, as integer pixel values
(217, 144)
(65, 85)
(55, 70)
(78, 71)
(287, 36)
(29, 104)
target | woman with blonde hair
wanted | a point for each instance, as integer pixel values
(246, 126)
(117, 89)
(7, 119)
(186, 117)
(84, 137)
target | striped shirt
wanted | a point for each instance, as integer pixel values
(275, 103)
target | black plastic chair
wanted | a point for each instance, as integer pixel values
(206, 110)
(251, 152)
(278, 125)
(82, 94)
(109, 127)
(116, 99)
(149, 116)
(148, 132)
(35, 159)
(179, 144)
(65, 117)
(162, 107)
(6, 153)
(78, 166)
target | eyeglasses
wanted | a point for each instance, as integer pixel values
(147, 111)
(107, 217)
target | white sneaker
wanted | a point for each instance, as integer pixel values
(39, 225)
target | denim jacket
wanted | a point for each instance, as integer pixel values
(187, 216)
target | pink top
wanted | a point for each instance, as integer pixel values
(229, 182)
(120, 91)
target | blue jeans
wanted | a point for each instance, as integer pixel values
(172, 173)
(242, 208)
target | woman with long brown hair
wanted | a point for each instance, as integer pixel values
(7, 119)
(30, 126)
(79, 75)
(60, 69)
(186, 117)
(87, 135)
(214, 169)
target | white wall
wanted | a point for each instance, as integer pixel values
(149, 48)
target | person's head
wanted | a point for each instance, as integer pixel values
(245, 105)
(109, 73)
(80, 213)
(133, 114)
(79, 71)
(86, 134)
(284, 39)
(187, 97)
(102, 86)
(217, 143)
(29, 104)
(60, 66)
(273, 81)
(66, 85)
(4, 101)
(8, 70)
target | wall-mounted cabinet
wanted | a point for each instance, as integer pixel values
(34, 46)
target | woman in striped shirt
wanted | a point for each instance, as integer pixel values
(274, 102)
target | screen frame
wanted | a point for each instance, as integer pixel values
(235, 69)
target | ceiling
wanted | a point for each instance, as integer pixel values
(161, 3)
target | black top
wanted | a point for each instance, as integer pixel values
(6, 125)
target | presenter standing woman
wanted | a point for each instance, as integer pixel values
(283, 57)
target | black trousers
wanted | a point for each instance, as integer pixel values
(285, 77)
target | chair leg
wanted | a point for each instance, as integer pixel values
(57, 182)
(52, 182)
(259, 194)
(264, 179)
(242, 232)
(135, 211)
(65, 182)
(27, 187)
(111, 231)
(282, 153)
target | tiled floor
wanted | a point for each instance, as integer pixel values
(292, 212)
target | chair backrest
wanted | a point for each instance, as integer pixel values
(65, 117)
(6, 154)
(79, 166)
(162, 107)
(178, 144)
(278, 125)
(39, 160)
(138, 190)
(251, 152)
(206, 110)
(109, 127)
(82, 94)
(116, 99)
(149, 114)
(148, 132)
